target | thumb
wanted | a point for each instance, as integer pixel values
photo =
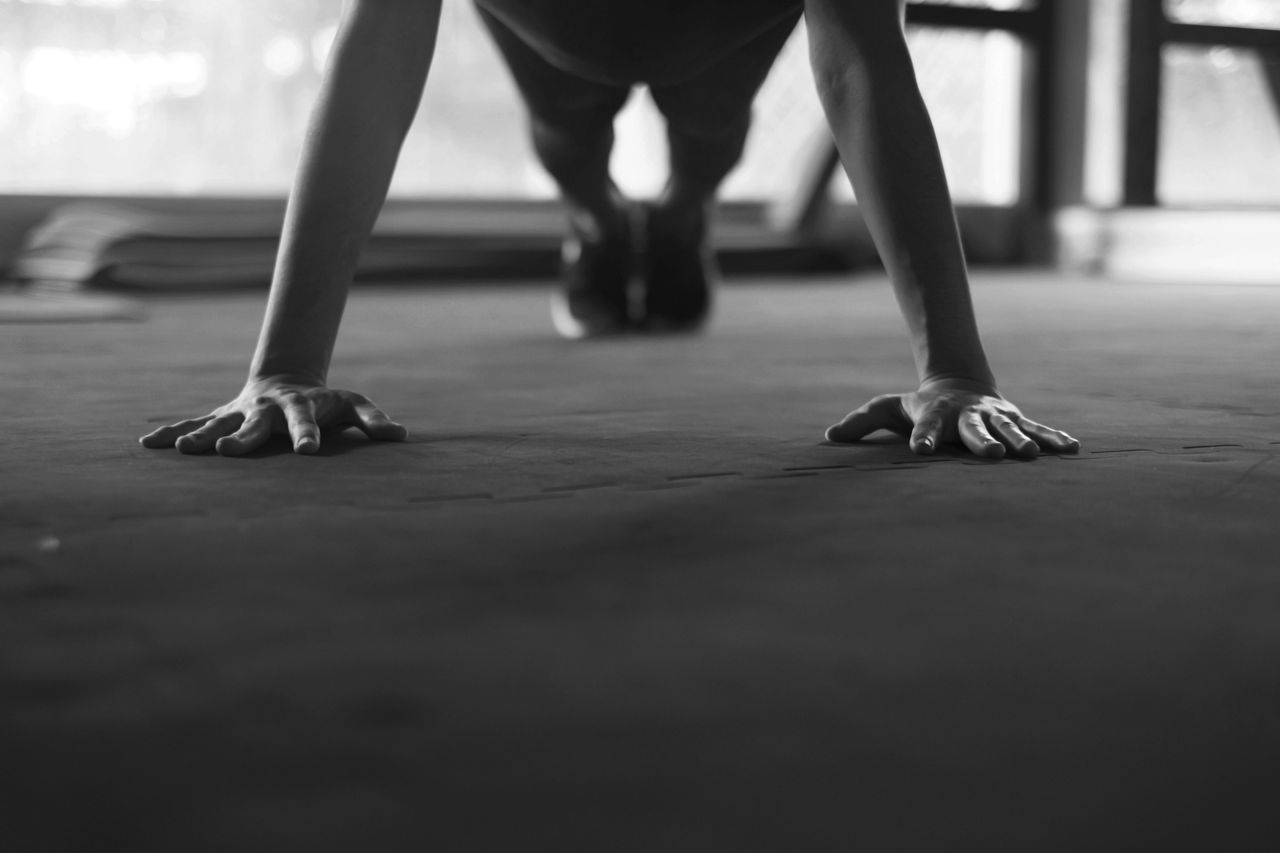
(884, 412)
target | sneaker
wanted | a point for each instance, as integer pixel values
(680, 272)
(593, 299)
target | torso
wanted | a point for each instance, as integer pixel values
(634, 41)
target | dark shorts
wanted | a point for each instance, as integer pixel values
(717, 92)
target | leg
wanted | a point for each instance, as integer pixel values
(571, 124)
(708, 119)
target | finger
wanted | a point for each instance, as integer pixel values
(374, 423)
(165, 436)
(884, 412)
(1015, 439)
(974, 435)
(251, 435)
(927, 434)
(300, 415)
(203, 439)
(1048, 438)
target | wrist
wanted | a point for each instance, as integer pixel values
(957, 366)
(281, 367)
(278, 374)
(976, 382)
(952, 352)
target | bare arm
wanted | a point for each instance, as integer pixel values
(370, 95)
(867, 83)
(368, 100)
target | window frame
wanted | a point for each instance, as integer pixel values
(1150, 31)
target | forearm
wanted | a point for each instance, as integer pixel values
(367, 103)
(889, 150)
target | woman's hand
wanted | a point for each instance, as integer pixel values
(298, 408)
(954, 411)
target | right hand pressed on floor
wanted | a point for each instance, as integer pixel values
(285, 405)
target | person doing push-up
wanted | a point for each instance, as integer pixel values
(575, 62)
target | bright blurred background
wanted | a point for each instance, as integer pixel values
(195, 97)
(185, 97)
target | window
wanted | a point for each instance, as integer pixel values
(1219, 128)
(156, 96)
(1203, 103)
(1220, 122)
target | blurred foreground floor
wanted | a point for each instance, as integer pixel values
(621, 596)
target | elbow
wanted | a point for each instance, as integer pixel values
(856, 47)
(860, 80)
(843, 87)
(839, 82)
(855, 68)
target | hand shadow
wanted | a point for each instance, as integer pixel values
(891, 449)
(338, 442)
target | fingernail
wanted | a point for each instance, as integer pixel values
(306, 445)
